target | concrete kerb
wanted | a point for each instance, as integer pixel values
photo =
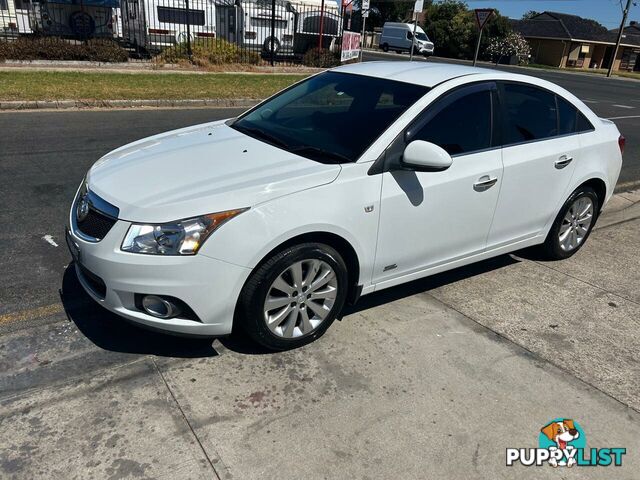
(152, 103)
(622, 207)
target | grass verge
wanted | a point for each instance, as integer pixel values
(42, 85)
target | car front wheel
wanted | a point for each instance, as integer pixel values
(293, 297)
(573, 224)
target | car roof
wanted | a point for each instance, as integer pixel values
(418, 73)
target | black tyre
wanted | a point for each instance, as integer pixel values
(270, 44)
(385, 47)
(572, 226)
(293, 297)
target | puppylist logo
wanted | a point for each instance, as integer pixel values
(562, 443)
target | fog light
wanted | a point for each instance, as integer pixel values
(159, 307)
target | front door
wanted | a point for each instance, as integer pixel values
(429, 219)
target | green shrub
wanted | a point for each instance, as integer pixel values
(207, 52)
(53, 48)
(321, 58)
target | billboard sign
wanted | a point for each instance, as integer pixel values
(350, 46)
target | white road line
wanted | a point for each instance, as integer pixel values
(590, 101)
(622, 106)
(49, 239)
(621, 118)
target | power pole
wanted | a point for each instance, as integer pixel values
(362, 41)
(625, 13)
(413, 38)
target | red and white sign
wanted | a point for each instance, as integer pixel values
(350, 46)
(482, 15)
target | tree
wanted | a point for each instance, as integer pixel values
(511, 44)
(452, 28)
(449, 25)
(529, 15)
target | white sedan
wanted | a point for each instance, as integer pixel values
(354, 180)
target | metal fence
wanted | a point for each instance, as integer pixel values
(218, 31)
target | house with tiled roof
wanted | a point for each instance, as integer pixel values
(570, 41)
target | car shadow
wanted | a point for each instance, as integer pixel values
(429, 283)
(110, 332)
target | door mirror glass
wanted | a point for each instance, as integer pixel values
(425, 157)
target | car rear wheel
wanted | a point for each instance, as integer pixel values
(293, 297)
(385, 47)
(573, 224)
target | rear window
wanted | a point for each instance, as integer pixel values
(311, 24)
(179, 16)
(266, 23)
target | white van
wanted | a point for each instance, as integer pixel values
(398, 37)
(158, 24)
(256, 25)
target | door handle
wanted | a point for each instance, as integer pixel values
(563, 161)
(484, 183)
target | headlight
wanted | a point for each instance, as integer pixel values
(182, 237)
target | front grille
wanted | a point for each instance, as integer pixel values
(95, 282)
(95, 224)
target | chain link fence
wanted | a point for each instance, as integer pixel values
(173, 31)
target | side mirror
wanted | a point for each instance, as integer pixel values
(425, 157)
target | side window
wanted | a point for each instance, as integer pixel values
(570, 119)
(567, 117)
(531, 113)
(463, 126)
(582, 124)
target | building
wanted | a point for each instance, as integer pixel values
(569, 41)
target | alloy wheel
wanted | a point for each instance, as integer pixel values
(300, 298)
(575, 224)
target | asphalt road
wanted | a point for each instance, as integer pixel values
(617, 99)
(43, 158)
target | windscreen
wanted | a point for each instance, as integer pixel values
(332, 116)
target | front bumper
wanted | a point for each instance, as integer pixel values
(208, 286)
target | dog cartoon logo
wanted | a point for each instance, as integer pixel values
(562, 443)
(563, 433)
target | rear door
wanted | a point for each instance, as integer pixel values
(539, 156)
